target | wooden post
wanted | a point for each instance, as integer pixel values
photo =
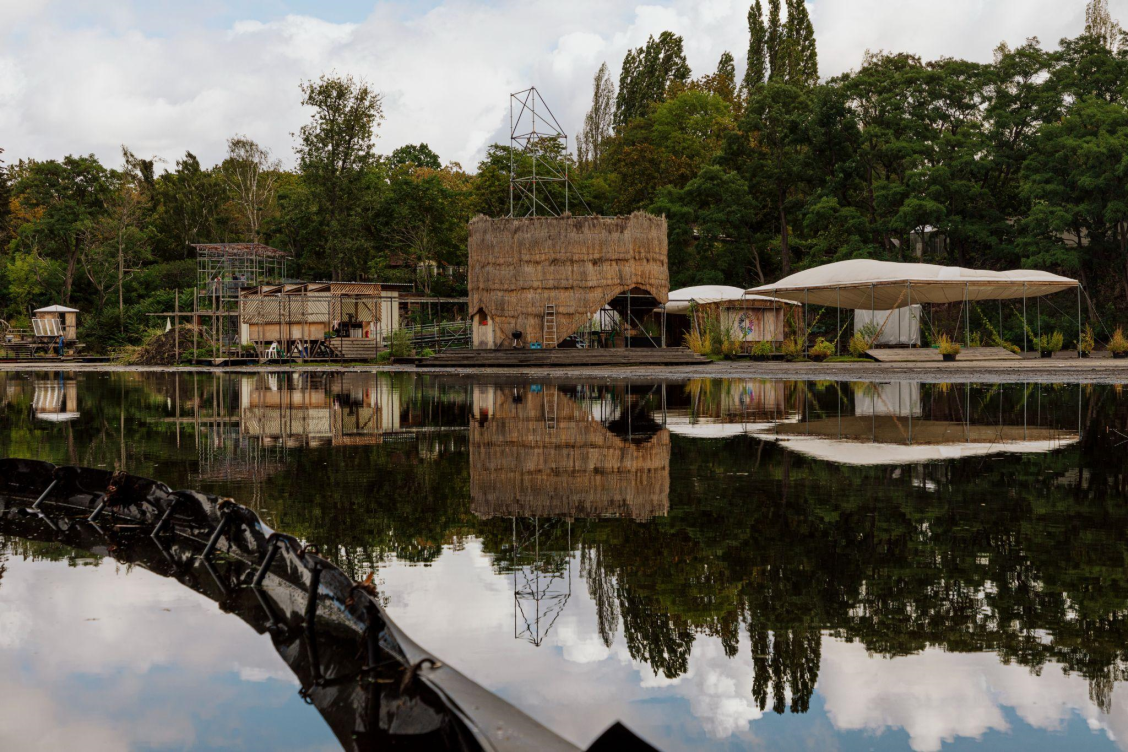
(176, 331)
(195, 321)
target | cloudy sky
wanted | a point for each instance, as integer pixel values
(163, 76)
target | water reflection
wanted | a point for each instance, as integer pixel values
(938, 560)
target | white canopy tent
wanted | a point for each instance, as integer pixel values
(681, 300)
(885, 285)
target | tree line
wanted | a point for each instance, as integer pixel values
(1014, 163)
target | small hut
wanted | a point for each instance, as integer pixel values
(748, 318)
(55, 321)
(542, 279)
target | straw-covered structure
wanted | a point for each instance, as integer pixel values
(577, 264)
(545, 456)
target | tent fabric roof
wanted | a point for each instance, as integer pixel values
(680, 300)
(56, 309)
(884, 285)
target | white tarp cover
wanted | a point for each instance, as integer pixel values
(680, 300)
(882, 285)
(56, 309)
(900, 326)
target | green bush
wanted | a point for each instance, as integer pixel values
(792, 348)
(1051, 343)
(400, 346)
(762, 349)
(427, 353)
(821, 350)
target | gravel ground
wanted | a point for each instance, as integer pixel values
(1091, 371)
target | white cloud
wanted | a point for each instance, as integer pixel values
(446, 73)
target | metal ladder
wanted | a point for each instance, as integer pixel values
(549, 325)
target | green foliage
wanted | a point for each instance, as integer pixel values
(427, 353)
(762, 349)
(1087, 341)
(792, 349)
(1118, 343)
(648, 74)
(821, 350)
(1051, 343)
(400, 345)
(948, 346)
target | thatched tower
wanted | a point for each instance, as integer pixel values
(577, 265)
(541, 454)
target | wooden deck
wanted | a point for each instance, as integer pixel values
(669, 356)
(930, 355)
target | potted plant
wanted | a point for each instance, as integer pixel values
(948, 347)
(1048, 344)
(821, 350)
(762, 350)
(1086, 343)
(1118, 345)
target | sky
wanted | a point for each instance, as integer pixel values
(162, 76)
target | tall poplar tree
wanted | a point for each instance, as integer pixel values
(757, 71)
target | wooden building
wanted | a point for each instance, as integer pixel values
(540, 280)
(318, 319)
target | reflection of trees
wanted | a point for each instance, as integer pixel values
(1023, 557)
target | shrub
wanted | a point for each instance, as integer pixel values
(821, 350)
(792, 348)
(730, 348)
(427, 353)
(762, 349)
(383, 356)
(858, 346)
(1051, 343)
(401, 346)
(948, 346)
(1087, 341)
(1118, 343)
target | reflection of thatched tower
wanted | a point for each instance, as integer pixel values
(519, 267)
(540, 454)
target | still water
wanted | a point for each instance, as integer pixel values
(718, 564)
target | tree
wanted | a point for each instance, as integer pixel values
(335, 149)
(757, 71)
(723, 81)
(1100, 24)
(801, 54)
(769, 151)
(416, 155)
(118, 241)
(191, 204)
(69, 196)
(648, 73)
(598, 122)
(775, 46)
(5, 203)
(252, 178)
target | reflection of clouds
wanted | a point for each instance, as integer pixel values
(96, 658)
(463, 611)
(937, 696)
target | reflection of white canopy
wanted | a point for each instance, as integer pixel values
(845, 452)
(850, 284)
(680, 300)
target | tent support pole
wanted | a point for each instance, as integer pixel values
(838, 336)
(873, 316)
(967, 319)
(909, 285)
(1078, 327)
(806, 332)
(1024, 327)
(1038, 304)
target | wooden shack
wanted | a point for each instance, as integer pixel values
(537, 452)
(56, 320)
(328, 319)
(547, 277)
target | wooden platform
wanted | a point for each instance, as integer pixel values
(669, 356)
(931, 355)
